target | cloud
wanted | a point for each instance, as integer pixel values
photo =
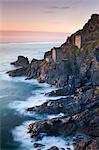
(47, 11)
(53, 9)
(59, 7)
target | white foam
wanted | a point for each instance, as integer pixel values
(20, 135)
(60, 142)
(26, 143)
(6, 77)
(36, 100)
(2, 96)
(54, 116)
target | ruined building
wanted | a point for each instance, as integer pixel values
(57, 54)
(47, 56)
(78, 41)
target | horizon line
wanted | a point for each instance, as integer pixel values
(33, 31)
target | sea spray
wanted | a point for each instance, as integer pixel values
(21, 135)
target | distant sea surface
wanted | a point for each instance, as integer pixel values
(16, 95)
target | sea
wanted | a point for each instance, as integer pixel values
(17, 94)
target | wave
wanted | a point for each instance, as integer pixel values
(20, 135)
(54, 116)
(20, 132)
(38, 95)
(37, 98)
(26, 143)
(6, 77)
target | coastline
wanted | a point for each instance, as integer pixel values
(75, 69)
(16, 89)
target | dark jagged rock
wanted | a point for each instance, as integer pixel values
(18, 72)
(65, 91)
(84, 122)
(33, 61)
(70, 105)
(38, 145)
(87, 145)
(54, 148)
(21, 62)
(34, 69)
(61, 92)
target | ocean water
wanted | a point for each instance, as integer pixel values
(16, 95)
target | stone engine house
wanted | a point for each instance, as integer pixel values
(56, 54)
(78, 41)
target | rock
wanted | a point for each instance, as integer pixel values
(38, 145)
(18, 72)
(61, 92)
(61, 149)
(68, 148)
(34, 71)
(84, 122)
(89, 145)
(53, 127)
(69, 105)
(41, 81)
(34, 60)
(21, 62)
(29, 109)
(54, 148)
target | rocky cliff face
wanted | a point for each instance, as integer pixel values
(77, 72)
(76, 67)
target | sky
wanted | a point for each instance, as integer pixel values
(43, 19)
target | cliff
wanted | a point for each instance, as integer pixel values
(69, 65)
(74, 66)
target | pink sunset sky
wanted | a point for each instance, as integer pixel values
(42, 20)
